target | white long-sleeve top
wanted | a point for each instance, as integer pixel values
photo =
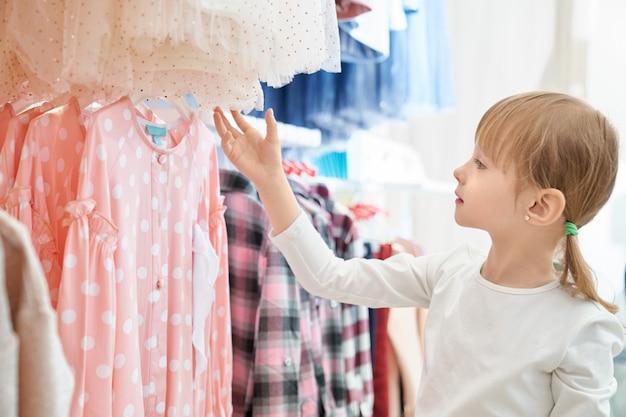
(490, 350)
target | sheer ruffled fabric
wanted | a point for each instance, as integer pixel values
(219, 50)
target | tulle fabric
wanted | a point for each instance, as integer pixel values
(219, 50)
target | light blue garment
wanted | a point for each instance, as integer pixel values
(430, 62)
(411, 5)
(417, 73)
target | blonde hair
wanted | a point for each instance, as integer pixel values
(553, 140)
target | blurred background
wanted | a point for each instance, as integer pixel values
(402, 113)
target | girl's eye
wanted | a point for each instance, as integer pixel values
(479, 164)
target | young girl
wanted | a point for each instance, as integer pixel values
(511, 332)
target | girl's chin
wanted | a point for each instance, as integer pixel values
(460, 220)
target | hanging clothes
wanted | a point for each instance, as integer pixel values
(407, 68)
(344, 240)
(349, 9)
(382, 346)
(327, 315)
(274, 373)
(295, 354)
(218, 50)
(148, 196)
(36, 378)
(381, 364)
(347, 367)
(46, 180)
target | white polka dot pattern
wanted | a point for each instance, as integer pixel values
(124, 284)
(45, 182)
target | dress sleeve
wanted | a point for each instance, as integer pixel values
(583, 383)
(86, 309)
(19, 205)
(219, 321)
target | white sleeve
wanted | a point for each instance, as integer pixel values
(583, 383)
(399, 281)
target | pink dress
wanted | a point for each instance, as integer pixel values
(46, 181)
(143, 307)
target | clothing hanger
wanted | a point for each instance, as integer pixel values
(22, 105)
(181, 105)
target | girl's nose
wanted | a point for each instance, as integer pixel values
(457, 174)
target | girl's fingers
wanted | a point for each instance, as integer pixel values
(222, 124)
(220, 121)
(241, 121)
(272, 126)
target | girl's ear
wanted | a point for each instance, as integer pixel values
(548, 206)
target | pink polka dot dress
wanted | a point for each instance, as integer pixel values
(46, 180)
(143, 302)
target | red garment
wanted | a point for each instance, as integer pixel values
(380, 360)
(349, 9)
(380, 364)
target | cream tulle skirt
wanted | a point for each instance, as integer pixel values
(219, 50)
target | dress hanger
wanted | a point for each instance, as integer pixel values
(179, 103)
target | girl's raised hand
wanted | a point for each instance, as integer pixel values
(260, 160)
(256, 157)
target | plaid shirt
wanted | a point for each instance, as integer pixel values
(349, 365)
(273, 356)
(294, 354)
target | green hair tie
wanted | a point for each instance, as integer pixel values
(570, 229)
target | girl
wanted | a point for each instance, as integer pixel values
(510, 332)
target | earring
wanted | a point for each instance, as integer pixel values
(527, 217)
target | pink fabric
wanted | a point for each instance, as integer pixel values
(6, 114)
(46, 181)
(11, 152)
(125, 301)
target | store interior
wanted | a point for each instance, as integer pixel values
(373, 119)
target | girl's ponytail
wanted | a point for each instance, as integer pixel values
(577, 275)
